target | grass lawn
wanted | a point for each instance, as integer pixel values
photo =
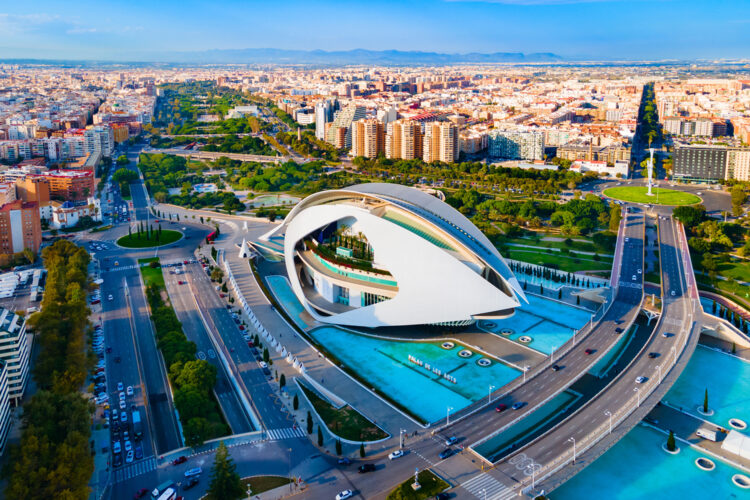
(151, 274)
(259, 484)
(739, 270)
(559, 260)
(575, 245)
(431, 486)
(133, 241)
(345, 422)
(637, 194)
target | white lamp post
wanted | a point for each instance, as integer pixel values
(574, 448)
(609, 414)
(448, 415)
(638, 395)
(489, 394)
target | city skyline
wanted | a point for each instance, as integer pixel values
(572, 29)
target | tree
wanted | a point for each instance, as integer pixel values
(214, 252)
(198, 373)
(266, 355)
(309, 422)
(282, 381)
(320, 436)
(225, 482)
(295, 402)
(362, 450)
(29, 254)
(671, 445)
(338, 447)
(615, 215)
(705, 401)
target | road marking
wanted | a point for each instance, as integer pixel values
(288, 433)
(135, 469)
(484, 486)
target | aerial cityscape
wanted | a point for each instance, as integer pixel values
(468, 249)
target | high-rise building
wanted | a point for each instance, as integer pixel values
(5, 415)
(323, 115)
(705, 163)
(20, 228)
(368, 138)
(738, 164)
(99, 138)
(404, 140)
(440, 142)
(15, 349)
(516, 145)
(343, 120)
(73, 185)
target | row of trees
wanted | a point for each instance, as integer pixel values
(53, 459)
(308, 145)
(193, 379)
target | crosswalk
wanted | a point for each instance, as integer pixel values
(288, 433)
(486, 487)
(134, 469)
(629, 284)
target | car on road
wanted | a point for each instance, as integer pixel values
(181, 282)
(519, 405)
(129, 457)
(618, 330)
(122, 396)
(262, 364)
(116, 447)
(653, 355)
(179, 460)
(344, 495)
(110, 297)
(634, 278)
(555, 368)
(194, 472)
(501, 408)
(640, 380)
(640, 271)
(451, 440)
(128, 445)
(123, 405)
(366, 468)
(666, 335)
(140, 493)
(672, 293)
(118, 460)
(395, 454)
(123, 417)
(442, 496)
(589, 351)
(344, 461)
(445, 453)
(129, 390)
(119, 386)
(190, 483)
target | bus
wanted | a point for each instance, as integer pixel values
(161, 489)
(169, 494)
(137, 425)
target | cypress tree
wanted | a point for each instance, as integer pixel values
(338, 447)
(320, 436)
(671, 445)
(362, 450)
(225, 482)
(309, 423)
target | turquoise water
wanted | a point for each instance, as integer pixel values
(728, 382)
(272, 199)
(385, 364)
(637, 469)
(281, 289)
(547, 322)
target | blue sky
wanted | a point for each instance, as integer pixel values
(138, 29)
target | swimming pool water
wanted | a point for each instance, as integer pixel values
(281, 289)
(385, 364)
(549, 323)
(636, 468)
(727, 379)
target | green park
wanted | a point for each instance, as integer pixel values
(149, 238)
(661, 196)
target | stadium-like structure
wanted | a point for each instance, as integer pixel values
(380, 255)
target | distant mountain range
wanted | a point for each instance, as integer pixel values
(343, 57)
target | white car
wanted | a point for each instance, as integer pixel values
(396, 454)
(634, 278)
(130, 390)
(344, 495)
(109, 297)
(122, 396)
(123, 404)
(262, 364)
(640, 380)
(119, 386)
(129, 457)
(128, 445)
(640, 271)
(672, 293)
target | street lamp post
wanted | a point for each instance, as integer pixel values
(609, 414)
(401, 438)
(674, 354)
(489, 394)
(638, 395)
(525, 369)
(448, 415)
(574, 448)
(658, 367)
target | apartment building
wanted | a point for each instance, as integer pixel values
(72, 185)
(15, 349)
(5, 420)
(368, 138)
(440, 142)
(403, 140)
(20, 228)
(738, 164)
(705, 163)
(516, 144)
(343, 121)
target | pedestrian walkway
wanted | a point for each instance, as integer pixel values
(289, 433)
(135, 469)
(486, 487)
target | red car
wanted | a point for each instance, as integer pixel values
(500, 408)
(180, 282)
(185, 262)
(250, 343)
(589, 351)
(242, 327)
(179, 460)
(140, 493)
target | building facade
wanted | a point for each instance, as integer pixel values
(699, 163)
(20, 228)
(368, 138)
(15, 349)
(516, 145)
(5, 415)
(403, 140)
(440, 142)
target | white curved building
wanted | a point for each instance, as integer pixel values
(376, 255)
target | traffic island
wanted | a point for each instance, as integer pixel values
(429, 486)
(660, 196)
(150, 239)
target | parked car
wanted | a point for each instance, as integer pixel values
(344, 461)
(194, 472)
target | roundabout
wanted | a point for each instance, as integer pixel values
(661, 196)
(166, 237)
